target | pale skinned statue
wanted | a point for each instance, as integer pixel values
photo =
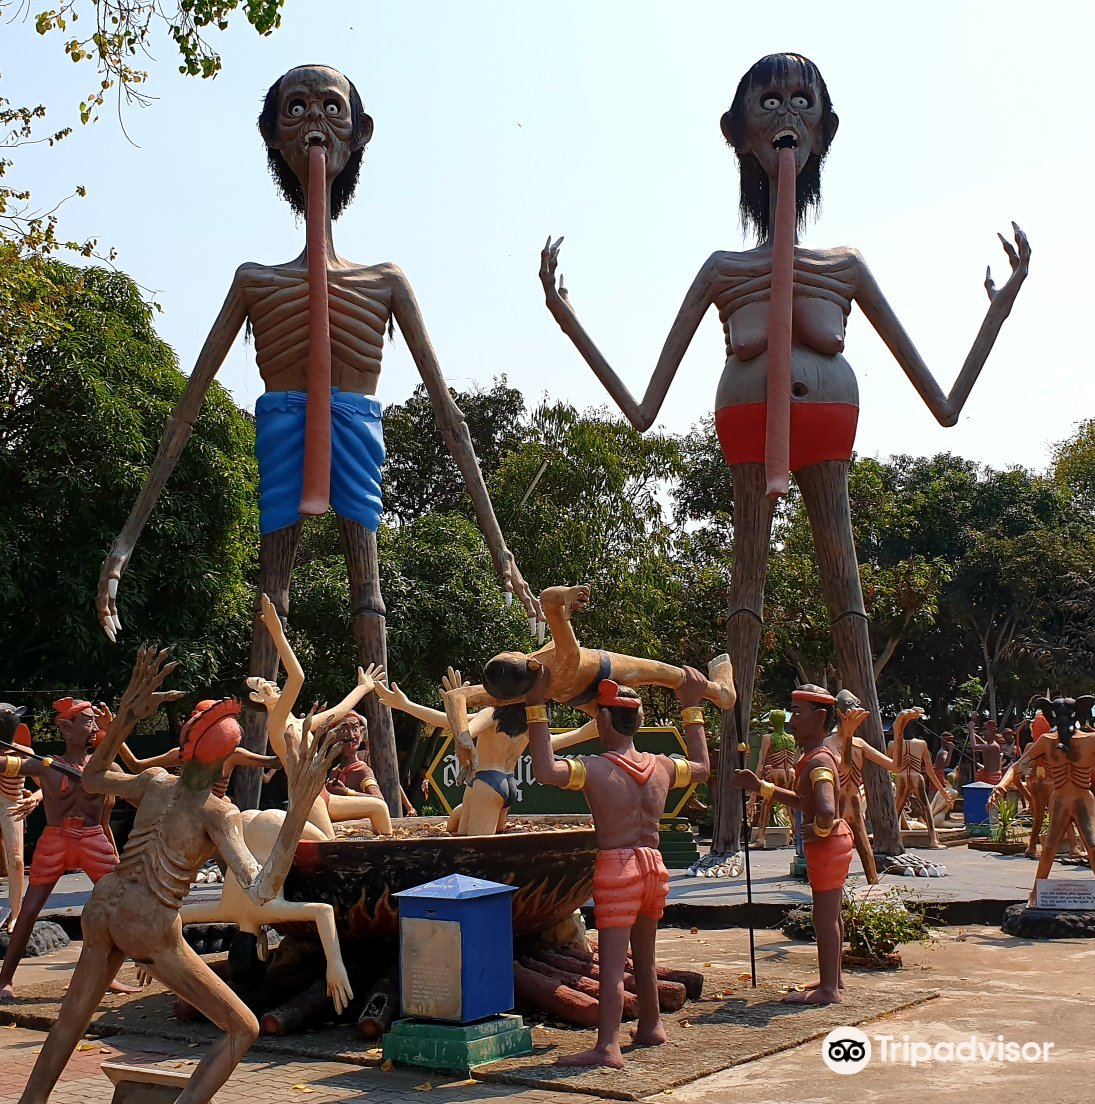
(318, 324)
(787, 400)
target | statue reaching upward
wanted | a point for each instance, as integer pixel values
(788, 400)
(318, 324)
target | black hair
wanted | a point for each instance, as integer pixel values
(10, 719)
(811, 688)
(342, 190)
(754, 191)
(510, 719)
(624, 720)
(507, 676)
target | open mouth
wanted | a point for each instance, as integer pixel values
(315, 138)
(785, 139)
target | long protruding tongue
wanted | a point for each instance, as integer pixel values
(777, 430)
(316, 494)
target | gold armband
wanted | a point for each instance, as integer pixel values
(767, 790)
(822, 832)
(577, 773)
(369, 784)
(536, 714)
(692, 715)
(13, 766)
(821, 774)
(682, 773)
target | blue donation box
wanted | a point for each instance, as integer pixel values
(975, 802)
(456, 949)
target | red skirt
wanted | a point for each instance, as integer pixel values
(819, 431)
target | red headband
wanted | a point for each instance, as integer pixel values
(67, 708)
(212, 734)
(822, 697)
(608, 695)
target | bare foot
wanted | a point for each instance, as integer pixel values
(817, 985)
(1030, 854)
(721, 671)
(120, 987)
(937, 846)
(814, 996)
(7, 994)
(598, 1056)
(652, 1036)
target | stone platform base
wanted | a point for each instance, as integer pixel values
(1038, 923)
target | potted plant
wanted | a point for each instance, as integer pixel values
(875, 925)
(1006, 837)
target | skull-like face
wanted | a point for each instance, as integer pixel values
(313, 108)
(787, 111)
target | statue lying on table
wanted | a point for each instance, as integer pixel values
(573, 674)
(134, 910)
(501, 736)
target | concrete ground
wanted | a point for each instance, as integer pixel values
(990, 985)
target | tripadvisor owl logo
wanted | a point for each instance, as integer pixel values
(846, 1050)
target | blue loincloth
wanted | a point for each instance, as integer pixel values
(357, 455)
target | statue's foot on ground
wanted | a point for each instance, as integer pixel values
(909, 865)
(7, 994)
(651, 1036)
(598, 1056)
(718, 864)
(813, 996)
(721, 672)
(117, 986)
(817, 985)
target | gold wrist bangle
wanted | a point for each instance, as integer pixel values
(767, 790)
(536, 714)
(692, 715)
(822, 832)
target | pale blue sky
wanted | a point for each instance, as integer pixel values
(497, 123)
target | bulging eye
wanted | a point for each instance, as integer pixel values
(770, 103)
(332, 107)
(800, 101)
(296, 108)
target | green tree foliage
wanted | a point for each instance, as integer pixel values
(109, 34)
(86, 387)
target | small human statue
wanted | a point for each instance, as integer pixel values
(1068, 757)
(827, 839)
(179, 824)
(75, 837)
(851, 751)
(626, 791)
(352, 775)
(573, 672)
(945, 754)
(992, 755)
(13, 806)
(500, 735)
(776, 764)
(787, 399)
(318, 323)
(283, 728)
(912, 763)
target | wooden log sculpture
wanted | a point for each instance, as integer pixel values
(783, 100)
(314, 114)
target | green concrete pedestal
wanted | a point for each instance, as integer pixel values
(677, 843)
(798, 868)
(457, 1048)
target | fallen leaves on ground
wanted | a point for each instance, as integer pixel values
(303, 1089)
(387, 1065)
(424, 1087)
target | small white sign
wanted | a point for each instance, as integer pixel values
(1060, 894)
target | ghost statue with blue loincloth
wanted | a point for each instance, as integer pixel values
(318, 325)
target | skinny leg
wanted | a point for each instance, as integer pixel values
(744, 620)
(650, 1030)
(369, 615)
(12, 832)
(852, 813)
(1060, 818)
(277, 553)
(922, 798)
(33, 903)
(99, 961)
(1038, 816)
(612, 959)
(824, 489)
(829, 928)
(482, 808)
(1085, 823)
(183, 972)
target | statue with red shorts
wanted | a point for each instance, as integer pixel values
(626, 790)
(827, 840)
(75, 837)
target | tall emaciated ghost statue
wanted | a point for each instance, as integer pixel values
(788, 401)
(318, 324)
